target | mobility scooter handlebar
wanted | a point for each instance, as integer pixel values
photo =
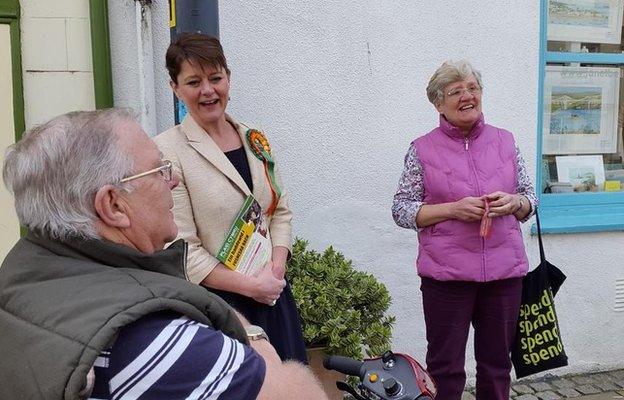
(393, 376)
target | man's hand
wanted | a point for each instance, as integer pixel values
(289, 380)
(468, 209)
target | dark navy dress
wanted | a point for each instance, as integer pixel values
(281, 322)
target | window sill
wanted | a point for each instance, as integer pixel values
(581, 218)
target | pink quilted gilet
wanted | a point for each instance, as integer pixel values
(454, 167)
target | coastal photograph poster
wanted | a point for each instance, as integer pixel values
(584, 173)
(580, 106)
(593, 21)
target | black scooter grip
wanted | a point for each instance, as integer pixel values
(345, 365)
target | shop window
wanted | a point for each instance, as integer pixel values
(580, 172)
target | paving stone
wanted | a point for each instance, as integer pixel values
(606, 387)
(522, 389)
(540, 386)
(582, 379)
(526, 397)
(568, 393)
(619, 383)
(467, 396)
(512, 393)
(602, 377)
(587, 389)
(563, 383)
(547, 395)
(619, 374)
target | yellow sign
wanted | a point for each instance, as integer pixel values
(612, 186)
(172, 13)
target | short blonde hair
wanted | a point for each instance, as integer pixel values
(450, 71)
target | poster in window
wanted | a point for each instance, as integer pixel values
(594, 21)
(583, 173)
(580, 110)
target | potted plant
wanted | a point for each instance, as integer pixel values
(342, 309)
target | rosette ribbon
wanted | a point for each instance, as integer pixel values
(262, 150)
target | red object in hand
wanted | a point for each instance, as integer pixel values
(486, 222)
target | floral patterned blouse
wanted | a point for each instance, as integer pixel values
(409, 196)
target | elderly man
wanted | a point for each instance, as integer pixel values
(91, 304)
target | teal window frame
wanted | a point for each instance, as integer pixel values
(578, 212)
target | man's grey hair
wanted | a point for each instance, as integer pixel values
(449, 72)
(57, 168)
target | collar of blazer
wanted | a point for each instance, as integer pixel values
(201, 141)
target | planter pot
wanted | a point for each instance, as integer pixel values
(326, 377)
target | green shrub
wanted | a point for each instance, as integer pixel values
(341, 309)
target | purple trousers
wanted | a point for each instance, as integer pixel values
(492, 308)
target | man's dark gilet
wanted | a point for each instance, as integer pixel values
(63, 303)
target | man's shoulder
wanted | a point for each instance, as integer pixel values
(29, 255)
(46, 276)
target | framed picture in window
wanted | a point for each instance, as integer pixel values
(583, 173)
(594, 21)
(580, 110)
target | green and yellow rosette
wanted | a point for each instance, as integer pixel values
(262, 150)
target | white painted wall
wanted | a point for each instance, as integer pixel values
(139, 38)
(339, 87)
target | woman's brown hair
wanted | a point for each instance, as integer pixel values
(196, 48)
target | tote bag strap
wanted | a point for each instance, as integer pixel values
(539, 238)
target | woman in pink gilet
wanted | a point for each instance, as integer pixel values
(464, 189)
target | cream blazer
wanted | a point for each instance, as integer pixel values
(211, 192)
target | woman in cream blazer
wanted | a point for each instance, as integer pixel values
(210, 153)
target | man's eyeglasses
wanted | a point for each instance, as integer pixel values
(164, 170)
(458, 92)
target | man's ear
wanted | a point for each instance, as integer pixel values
(111, 207)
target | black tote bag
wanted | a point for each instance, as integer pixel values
(538, 346)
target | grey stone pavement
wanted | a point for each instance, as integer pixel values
(608, 385)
